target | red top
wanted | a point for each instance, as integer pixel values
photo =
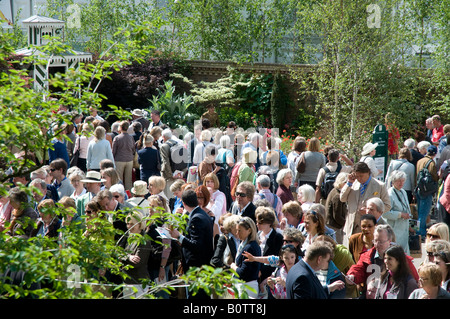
(438, 132)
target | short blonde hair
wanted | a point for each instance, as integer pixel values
(440, 229)
(293, 208)
(158, 181)
(230, 222)
(248, 223)
(176, 186)
(137, 218)
(99, 133)
(432, 272)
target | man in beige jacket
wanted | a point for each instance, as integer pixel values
(359, 188)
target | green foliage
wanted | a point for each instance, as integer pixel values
(213, 281)
(242, 118)
(174, 108)
(303, 124)
(241, 97)
(278, 102)
(254, 91)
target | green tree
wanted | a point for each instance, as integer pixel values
(358, 76)
(278, 102)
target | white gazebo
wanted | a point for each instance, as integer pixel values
(38, 27)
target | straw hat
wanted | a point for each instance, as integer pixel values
(139, 188)
(368, 148)
(137, 112)
(93, 177)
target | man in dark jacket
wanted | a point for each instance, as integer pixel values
(302, 282)
(243, 205)
(197, 243)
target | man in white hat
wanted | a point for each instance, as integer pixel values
(367, 153)
(139, 192)
(93, 183)
(138, 116)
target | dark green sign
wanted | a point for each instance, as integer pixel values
(380, 136)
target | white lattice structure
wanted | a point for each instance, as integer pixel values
(38, 27)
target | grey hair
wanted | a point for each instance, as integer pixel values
(263, 180)
(423, 145)
(410, 143)
(396, 175)
(388, 229)
(225, 141)
(206, 135)
(39, 182)
(308, 192)
(378, 203)
(118, 188)
(167, 133)
(282, 174)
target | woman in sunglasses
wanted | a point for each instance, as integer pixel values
(437, 231)
(247, 271)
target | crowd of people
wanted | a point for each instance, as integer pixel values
(308, 224)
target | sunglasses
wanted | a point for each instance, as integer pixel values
(88, 212)
(240, 194)
(434, 236)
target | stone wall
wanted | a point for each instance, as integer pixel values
(211, 71)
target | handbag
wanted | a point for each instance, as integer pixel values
(135, 160)
(301, 165)
(76, 155)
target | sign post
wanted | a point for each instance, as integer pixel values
(380, 136)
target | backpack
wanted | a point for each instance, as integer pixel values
(275, 201)
(445, 171)
(329, 179)
(426, 185)
(179, 156)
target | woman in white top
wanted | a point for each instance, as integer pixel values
(314, 226)
(75, 179)
(218, 201)
(82, 143)
(369, 150)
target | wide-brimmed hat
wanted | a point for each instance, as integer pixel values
(368, 148)
(93, 177)
(139, 188)
(137, 112)
(249, 155)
